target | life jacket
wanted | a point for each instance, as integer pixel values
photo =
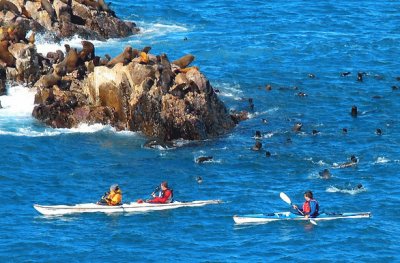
(171, 196)
(307, 207)
(114, 198)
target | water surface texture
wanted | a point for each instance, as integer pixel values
(241, 46)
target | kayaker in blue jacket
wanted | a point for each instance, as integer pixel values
(310, 206)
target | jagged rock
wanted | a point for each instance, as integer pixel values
(3, 90)
(88, 19)
(150, 98)
(27, 63)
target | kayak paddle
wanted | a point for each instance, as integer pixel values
(287, 200)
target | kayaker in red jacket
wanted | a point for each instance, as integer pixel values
(310, 206)
(165, 195)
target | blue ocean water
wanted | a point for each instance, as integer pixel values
(241, 46)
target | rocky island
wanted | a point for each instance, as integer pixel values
(136, 90)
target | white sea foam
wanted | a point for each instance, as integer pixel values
(320, 162)
(381, 160)
(158, 29)
(229, 90)
(44, 45)
(18, 102)
(334, 189)
(48, 132)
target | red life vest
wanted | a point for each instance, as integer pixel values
(306, 207)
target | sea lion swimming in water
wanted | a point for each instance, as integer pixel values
(354, 111)
(297, 127)
(257, 146)
(353, 161)
(203, 159)
(156, 144)
(345, 74)
(325, 174)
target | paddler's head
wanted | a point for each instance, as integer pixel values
(114, 188)
(164, 185)
(308, 195)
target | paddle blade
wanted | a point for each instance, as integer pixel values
(313, 222)
(285, 198)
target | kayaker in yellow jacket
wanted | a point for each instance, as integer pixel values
(114, 197)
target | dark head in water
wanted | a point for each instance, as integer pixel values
(203, 159)
(257, 146)
(325, 174)
(354, 111)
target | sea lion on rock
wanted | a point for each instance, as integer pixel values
(4, 34)
(105, 60)
(55, 57)
(125, 57)
(67, 48)
(9, 6)
(31, 38)
(69, 63)
(186, 70)
(89, 3)
(87, 52)
(49, 9)
(5, 55)
(146, 49)
(184, 61)
(135, 53)
(104, 7)
(144, 58)
(48, 81)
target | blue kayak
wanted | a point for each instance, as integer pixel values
(278, 216)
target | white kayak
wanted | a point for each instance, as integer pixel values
(278, 216)
(124, 208)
